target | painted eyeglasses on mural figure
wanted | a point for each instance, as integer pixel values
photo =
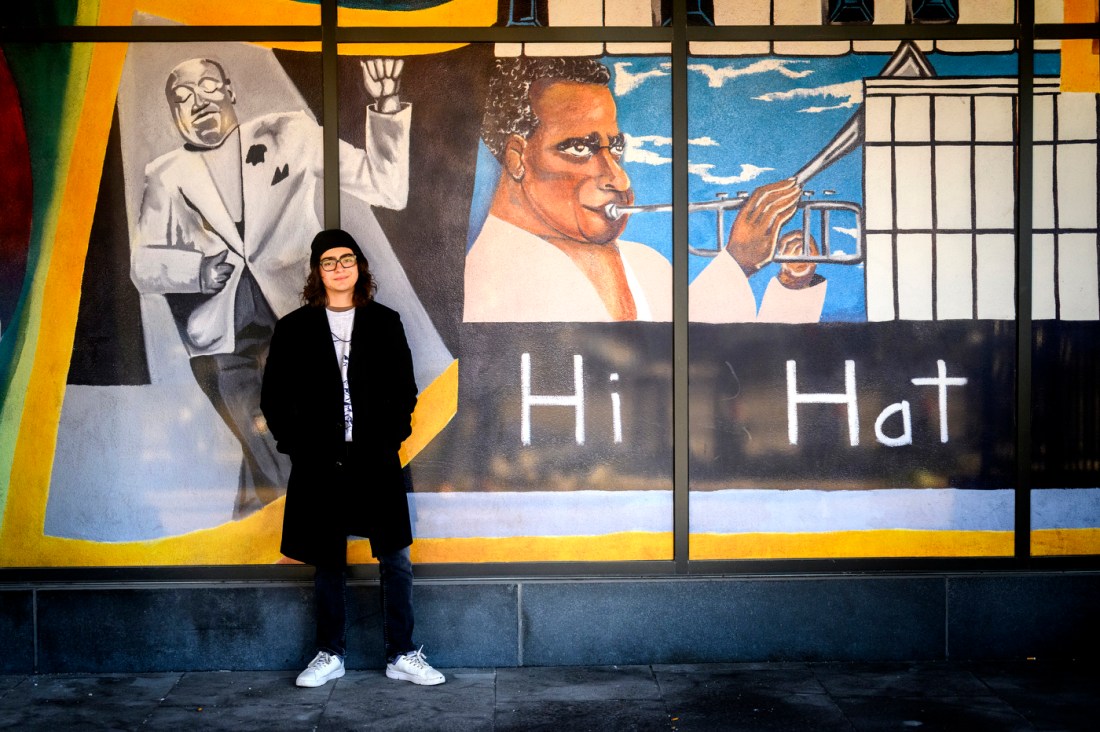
(221, 230)
(550, 249)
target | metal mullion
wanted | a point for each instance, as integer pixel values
(917, 32)
(330, 95)
(459, 34)
(1067, 30)
(1024, 338)
(680, 425)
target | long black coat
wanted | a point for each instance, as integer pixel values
(303, 403)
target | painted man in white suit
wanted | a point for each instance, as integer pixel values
(223, 233)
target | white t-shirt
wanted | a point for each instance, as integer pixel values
(340, 323)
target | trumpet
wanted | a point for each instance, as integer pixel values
(723, 203)
(845, 141)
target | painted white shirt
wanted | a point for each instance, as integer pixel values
(514, 276)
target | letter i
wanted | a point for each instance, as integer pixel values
(616, 413)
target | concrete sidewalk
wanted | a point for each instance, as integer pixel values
(1032, 695)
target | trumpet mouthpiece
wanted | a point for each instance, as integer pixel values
(612, 212)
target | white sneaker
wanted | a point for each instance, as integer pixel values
(414, 667)
(324, 667)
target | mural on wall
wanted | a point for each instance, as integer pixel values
(852, 296)
(216, 255)
(926, 260)
(567, 454)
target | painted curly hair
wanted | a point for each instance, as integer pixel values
(508, 107)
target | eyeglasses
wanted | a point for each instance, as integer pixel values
(183, 93)
(347, 261)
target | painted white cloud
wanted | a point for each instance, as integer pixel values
(849, 232)
(638, 148)
(716, 77)
(645, 157)
(748, 172)
(849, 92)
(626, 81)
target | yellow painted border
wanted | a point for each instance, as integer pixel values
(627, 546)
(1065, 542)
(211, 12)
(43, 235)
(455, 14)
(876, 543)
(1080, 60)
(435, 407)
(657, 546)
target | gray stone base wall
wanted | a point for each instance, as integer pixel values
(237, 625)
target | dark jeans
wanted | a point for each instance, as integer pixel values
(330, 583)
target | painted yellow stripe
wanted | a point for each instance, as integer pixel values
(658, 546)
(435, 407)
(1080, 61)
(253, 540)
(853, 544)
(60, 294)
(43, 237)
(395, 49)
(87, 11)
(43, 233)
(457, 13)
(1064, 542)
(627, 546)
(212, 12)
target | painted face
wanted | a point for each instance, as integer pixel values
(202, 103)
(342, 279)
(572, 163)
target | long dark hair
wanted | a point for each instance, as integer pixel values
(313, 294)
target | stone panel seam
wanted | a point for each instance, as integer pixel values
(947, 618)
(519, 624)
(34, 629)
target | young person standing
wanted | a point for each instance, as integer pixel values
(338, 395)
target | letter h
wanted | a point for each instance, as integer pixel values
(848, 397)
(550, 400)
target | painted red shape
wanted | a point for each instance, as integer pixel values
(15, 196)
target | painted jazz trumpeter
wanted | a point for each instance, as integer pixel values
(550, 250)
(220, 230)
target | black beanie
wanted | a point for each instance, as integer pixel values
(332, 239)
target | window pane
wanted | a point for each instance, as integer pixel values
(848, 387)
(1065, 505)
